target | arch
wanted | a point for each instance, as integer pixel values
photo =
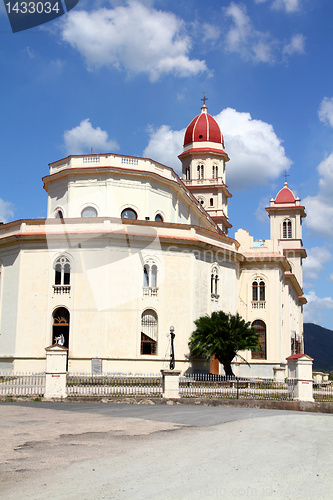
(159, 217)
(89, 211)
(62, 275)
(129, 213)
(150, 271)
(215, 172)
(149, 332)
(60, 326)
(59, 213)
(200, 171)
(258, 292)
(260, 327)
(287, 229)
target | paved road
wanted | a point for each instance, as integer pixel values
(126, 451)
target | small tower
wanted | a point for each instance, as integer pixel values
(286, 214)
(203, 166)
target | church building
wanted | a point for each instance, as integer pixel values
(129, 249)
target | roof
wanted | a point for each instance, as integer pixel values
(285, 195)
(203, 128)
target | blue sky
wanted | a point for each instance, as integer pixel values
(127, 77)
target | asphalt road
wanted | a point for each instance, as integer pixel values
(131, 451)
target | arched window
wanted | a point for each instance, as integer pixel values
(150, 278)
(215, 171)
(187, 174)
(287, 229)
(260, 327)
(62, 268)
(214, 280)
(200, 171)
(89, 212)
(211, 202)
(59, 214)
(129, 213)
(158, 218)
(149, 331)
(258, 293)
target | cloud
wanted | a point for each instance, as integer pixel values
(287, 5)
(325, 112)
(257, 46)
(319, 208)
(295, 46)
(135, 38)
(6, 211)
(256, 153)
(82, 138)
(312, 310)
(314, 263)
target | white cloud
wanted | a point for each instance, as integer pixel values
(295, 46)
(325, 112)
(312, 310)
(256, 153)
(135, 38)
(6, 211)
(287, 5)
(314, 263)
(319, 208)
(330, 278)
(257, 46)
(82, 138)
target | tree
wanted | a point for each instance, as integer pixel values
(222, 335)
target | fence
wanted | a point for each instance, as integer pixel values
(323, 392)
(217, 386)
(22, 384)
(114, 385)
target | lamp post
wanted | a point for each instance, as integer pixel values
(172, 353)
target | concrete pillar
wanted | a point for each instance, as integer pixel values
(170, 383)
(300, 376)
(56, 373)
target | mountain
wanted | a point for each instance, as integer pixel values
(318, 343)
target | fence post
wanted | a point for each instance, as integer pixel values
(170, 383)
(300, 373)
(55, 376)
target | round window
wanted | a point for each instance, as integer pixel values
(89, 212)
(128, 213)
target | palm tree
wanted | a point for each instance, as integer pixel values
(222, 335)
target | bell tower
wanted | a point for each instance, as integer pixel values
(203, 166)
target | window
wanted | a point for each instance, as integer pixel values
(214, 279)
(60, 326)
(261, 330)
(59, 214)
(200, 171)
(149, 328)
(150, 278)
(62, 276)
(187, 174)
(158, 218)
(128, 213)
(215, 172)
(287, 229)
(258, 294)
(89, 212)
(211, 202)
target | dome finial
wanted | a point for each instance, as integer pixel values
(285, 178)
(204, 107)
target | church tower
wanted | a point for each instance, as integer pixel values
(286, 214)
(203, 166)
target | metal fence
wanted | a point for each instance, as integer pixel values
(22, 384)
(216, 386)
(114, 385)
(323, 391)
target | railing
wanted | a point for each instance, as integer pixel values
(22, 384)
(216, 386)
(150, 291)
(91, 159)
(60, 289)
(259, 304)
(114, 385)
(323, 392)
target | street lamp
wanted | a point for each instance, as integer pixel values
(172, 353)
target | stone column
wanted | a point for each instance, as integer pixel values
(300, 376)
(170, 383)
(55, 381)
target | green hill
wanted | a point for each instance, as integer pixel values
(318, 343)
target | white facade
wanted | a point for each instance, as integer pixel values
(128, 250)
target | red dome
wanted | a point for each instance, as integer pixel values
(203, 128)
(285, 195)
